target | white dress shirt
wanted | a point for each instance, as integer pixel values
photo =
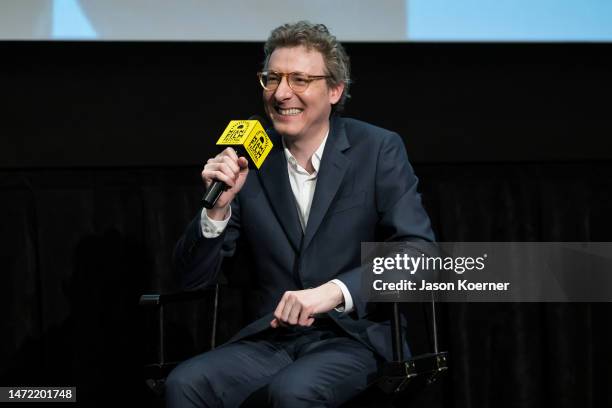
(303, 186)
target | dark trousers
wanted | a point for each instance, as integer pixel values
(319, 366)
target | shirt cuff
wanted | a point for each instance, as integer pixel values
(348, 299)
(213, 228)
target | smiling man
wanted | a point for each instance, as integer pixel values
(329, 184)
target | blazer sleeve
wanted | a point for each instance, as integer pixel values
(401, 216)
(197, 259)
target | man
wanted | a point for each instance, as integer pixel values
(329, 184)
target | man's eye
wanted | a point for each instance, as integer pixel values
(272, 78)
(300, 80)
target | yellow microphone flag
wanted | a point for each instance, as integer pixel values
(250, 136)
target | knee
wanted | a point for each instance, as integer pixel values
(289, 391)
(184, 384)
(180, 379)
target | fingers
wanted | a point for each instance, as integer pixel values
(305, 318)
(290, 304)
(275, 323)
(225, 167)
(294, 313)
(281, 306)
(213, 172)
(231, 152)
(284, 307)
(293, 309)
(243, 163)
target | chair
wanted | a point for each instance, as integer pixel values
(399, 376)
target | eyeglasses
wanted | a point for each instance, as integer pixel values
(298, 81)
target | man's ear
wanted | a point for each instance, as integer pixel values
(335, 93)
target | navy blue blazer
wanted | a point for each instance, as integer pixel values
(366, 191)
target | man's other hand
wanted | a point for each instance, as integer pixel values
(299, 307)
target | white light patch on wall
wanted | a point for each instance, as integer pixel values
(69, 22)
(509, 20)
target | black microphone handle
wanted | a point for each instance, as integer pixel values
(213, 192)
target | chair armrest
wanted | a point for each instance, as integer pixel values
(158, 299)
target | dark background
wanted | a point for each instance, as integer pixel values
(101, 145)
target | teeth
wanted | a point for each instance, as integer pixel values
(289, 112)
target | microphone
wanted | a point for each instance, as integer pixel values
(250, 140)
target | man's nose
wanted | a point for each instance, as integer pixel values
(283, 91)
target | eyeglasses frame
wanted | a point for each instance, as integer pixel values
(309, 79)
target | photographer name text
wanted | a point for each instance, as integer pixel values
(459, 285)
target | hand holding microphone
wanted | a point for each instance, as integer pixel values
(225, 174)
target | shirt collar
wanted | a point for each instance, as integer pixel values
(315, 159)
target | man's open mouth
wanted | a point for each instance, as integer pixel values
(288, 112)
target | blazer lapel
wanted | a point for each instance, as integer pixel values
(275, 181)
(331, 172)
